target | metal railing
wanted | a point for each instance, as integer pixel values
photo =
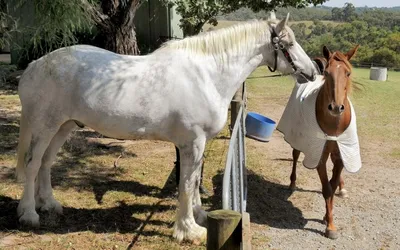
(234, 187)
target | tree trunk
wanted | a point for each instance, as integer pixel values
(191, 30)
(121, 40)
(115, 23)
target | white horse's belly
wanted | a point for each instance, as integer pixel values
(122, 126)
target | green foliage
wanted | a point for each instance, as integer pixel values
(378, 45)
(349, 12)
(385, 56)
(297, 14)
(376, 30)
(383, 17)
(55, 24)
(8, 25)
(195, 13)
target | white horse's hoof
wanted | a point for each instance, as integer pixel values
(193, 233)
(29, 219)
(49, 205)
(343, 193)
(200, 216)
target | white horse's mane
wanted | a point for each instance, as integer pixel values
(218, 42)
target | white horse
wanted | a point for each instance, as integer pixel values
(180, 93)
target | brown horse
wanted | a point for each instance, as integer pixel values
(333, 113)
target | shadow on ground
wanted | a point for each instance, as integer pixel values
(75, 169)
(267, 203)
(9, 129)
(116, 219)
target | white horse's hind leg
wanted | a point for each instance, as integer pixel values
(185, 225)
(44, 193)
(26, 208)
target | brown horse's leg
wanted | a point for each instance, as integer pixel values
(342, 191)
(295, 155)
(327, 192)
(334, 183)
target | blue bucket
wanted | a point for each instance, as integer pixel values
(259, 127)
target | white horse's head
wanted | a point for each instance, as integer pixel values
(287, 55)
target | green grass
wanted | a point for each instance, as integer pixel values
(376, 103)
(377, 106)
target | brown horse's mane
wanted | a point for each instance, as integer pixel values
(339, 56)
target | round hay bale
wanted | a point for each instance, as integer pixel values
(378, 74)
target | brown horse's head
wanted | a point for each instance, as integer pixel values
(337, 79)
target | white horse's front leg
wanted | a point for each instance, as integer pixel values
(185, 227)
(200, 215)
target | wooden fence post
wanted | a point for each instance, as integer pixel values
(237, 100)
(224, 230)
(246, 232)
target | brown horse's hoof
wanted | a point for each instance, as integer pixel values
(292, 186)
(343, 193)
(331, 234)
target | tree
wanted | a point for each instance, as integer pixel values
(57, 22)
(7, 25)
(393, 42)
(385, 56)
(337, 14)
(114, 19)
(54, 24)
(300, 31)
(195, 13)
(349, 12)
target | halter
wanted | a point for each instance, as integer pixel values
(278, 45)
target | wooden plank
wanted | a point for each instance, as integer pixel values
(224, 230)
(246, 233)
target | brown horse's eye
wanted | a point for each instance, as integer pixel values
(348, 74)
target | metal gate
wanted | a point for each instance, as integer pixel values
(234, 187)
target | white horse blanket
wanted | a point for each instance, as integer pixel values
(301, 130)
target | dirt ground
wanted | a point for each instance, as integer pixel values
(133, 206)
(367, 219)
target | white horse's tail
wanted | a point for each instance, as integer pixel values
(25, 137)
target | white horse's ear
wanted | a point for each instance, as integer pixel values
(272, 15)
(281, 25)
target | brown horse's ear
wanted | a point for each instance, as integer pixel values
(326, 53)
(352, 52)
(321, 64)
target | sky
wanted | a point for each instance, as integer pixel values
(362, 3)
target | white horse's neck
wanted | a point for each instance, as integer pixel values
(238, 64)
(233, 73)
(230, 54)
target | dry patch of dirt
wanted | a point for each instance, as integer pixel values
(367, 219)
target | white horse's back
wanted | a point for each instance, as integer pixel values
(101, 90)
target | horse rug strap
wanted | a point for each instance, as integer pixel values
(301, 130)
